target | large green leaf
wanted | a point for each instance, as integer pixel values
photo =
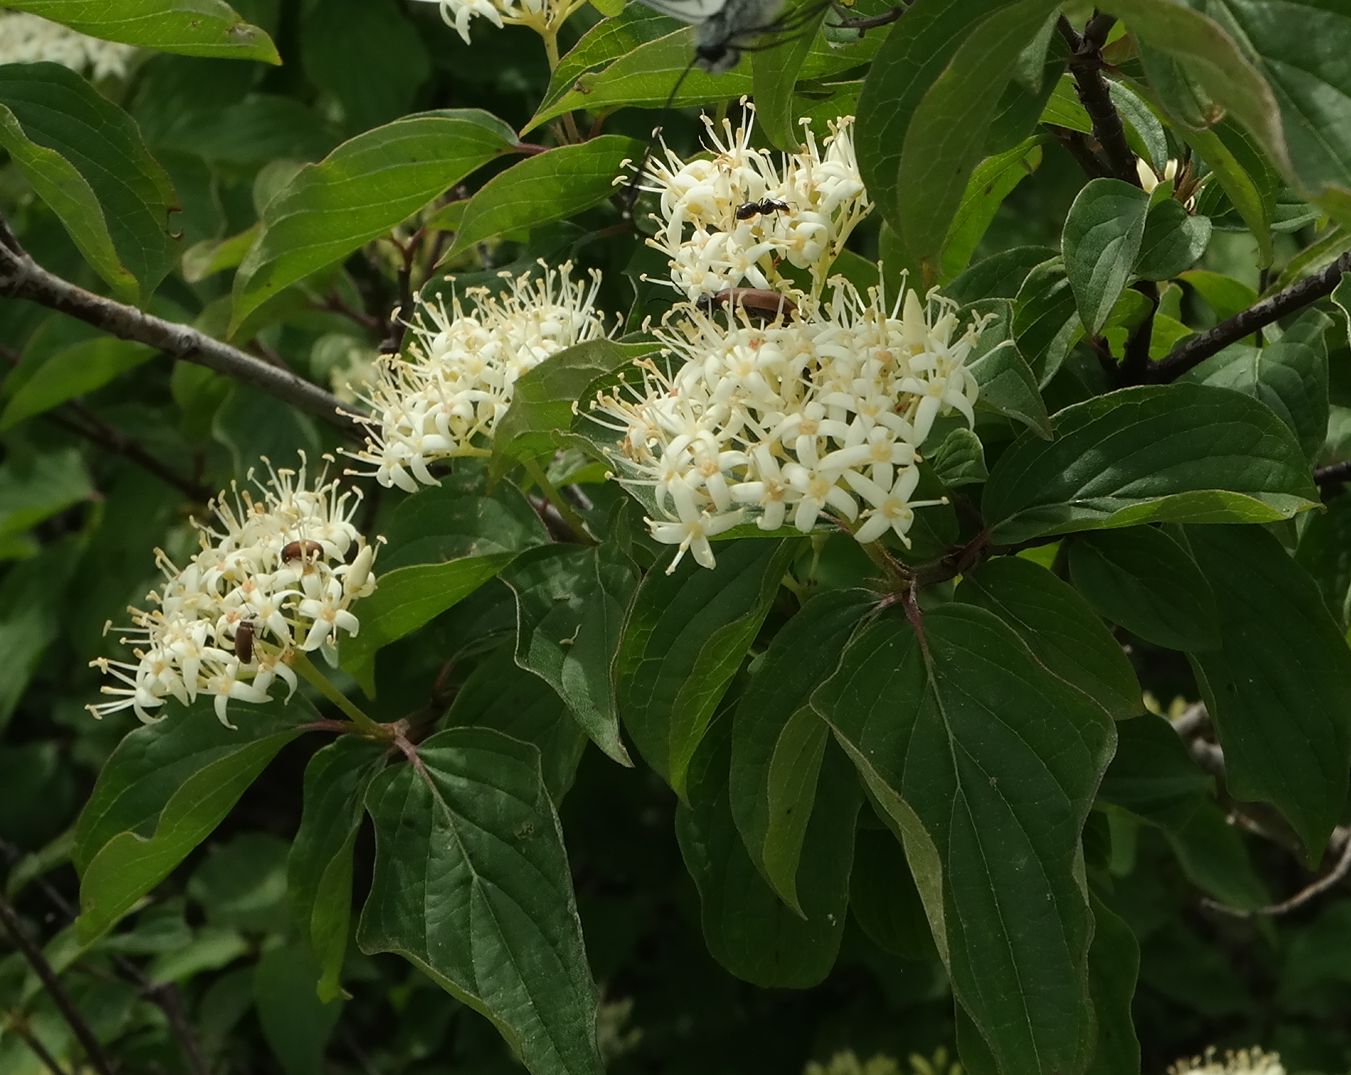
(684, 639)
(1007, 384)
(1290, 376)
(1069, 641)
(85, 158)
(570, 605)
(1157, 453)
(775, 71)
(1113, 964)
(746, 926)
(190, 27)
(922, 117)
(991, 182)
(1100, 243)
(296, 1023)
(360, 191)
(319, 868)
(472, 886)
(73, 371)
(554, 185)
(1153, 775)
(1144, 580)
(1045, 321)
(778, 742)
(986, 765)
(1278, 687)
(162, 792)
(444, 544)
(1173, 242)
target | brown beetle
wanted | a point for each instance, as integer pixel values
(244, 642)
(301, 550)
(759, 303)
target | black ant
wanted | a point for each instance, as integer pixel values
(765, 206)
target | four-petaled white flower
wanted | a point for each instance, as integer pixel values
(277, 570)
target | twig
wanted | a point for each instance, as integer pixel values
(1135, 364)
(1332, 477)
(872, 22)
(47, 976)
(1192, 352)
(22, 277)
(34, 1043)
(1077, 146)
(1086, 67)
(94, 429)
(1341, 869)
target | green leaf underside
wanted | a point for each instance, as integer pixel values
(1102, 237)
(986, 766)
(189, 27)
(778, 742)
(746, 926)
(444, 544)
(1113, 965)
(161, 792)
(1069, 641)
(319, 868)
(85, 157)
(361, 190)
(684, 638)
(570, 606)
(1172, 453)
(1144, 580)
(472, 886)
(1278, 687)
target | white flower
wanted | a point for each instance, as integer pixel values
(445, 399)
(729, 221)
(1244, 1062)
(1183, 177)
(274, 573)
(28, 38)
(819, 415)
(542, 16)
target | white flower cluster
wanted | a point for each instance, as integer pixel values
(733, 219)
(1244, 1062)
(274, 574)
(793, 420)
(28, 38)
(445, 400)
(542, 16)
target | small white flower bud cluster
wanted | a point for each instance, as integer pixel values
(786, 422)
(542, 16)
(1244, 1062)
(445, 400)
(28, 38)
(733, 219)
(275, 573)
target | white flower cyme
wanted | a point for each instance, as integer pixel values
(793, 422)
(730, 220)
(445, 398)
(542, 16)
(277, 571)
(1252, 1061)
(28, 38)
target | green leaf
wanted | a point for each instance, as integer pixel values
(1101, 240)
(73, 371)
(1045, 322)
(959, 459)
(1069, 641)
(1144, 132)
(37, 487)
(778, 743)
(1278, 687)
(986, 766)
(570, 605)
(1000, 276)
(1290, 376)
(361, 190)
(1153, 775)
(883, 897)
(991, 182)
(319, 868)
(1145, 581)
(1223, 294)
(32, 602)
(162, 792)
(1157, 453)
(775, 71)
(747, 929)
(542, 399)
(576, 177)
(922, 118)
(1007, 384)
(1324, 551)
(1244, 187)
(684, 639)
(1173, 241)
(296, 1024)
(188, 27)
(472, 886)
(85, 159)
(444, 543)
(502, 697)
(1113, 965)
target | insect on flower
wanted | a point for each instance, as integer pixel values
(759, 303)
(301, 550)
(763, 207)
(244, 642)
